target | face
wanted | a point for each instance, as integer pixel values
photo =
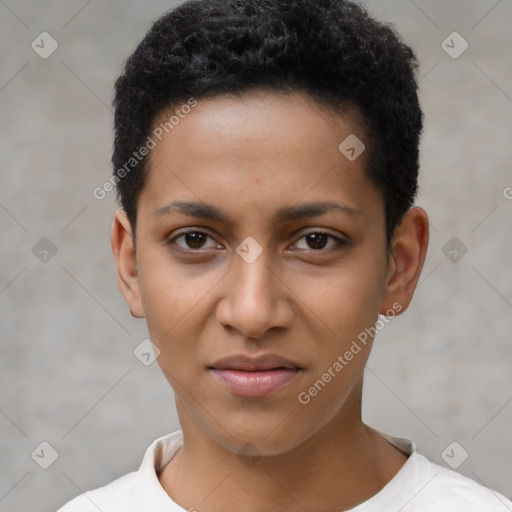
(260, 260)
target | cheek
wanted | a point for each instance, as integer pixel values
(359, 297)
(347, 300)
(172, 299)
(344, 308)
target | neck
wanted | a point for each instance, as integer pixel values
(337, 468)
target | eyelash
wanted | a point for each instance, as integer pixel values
(339, 242)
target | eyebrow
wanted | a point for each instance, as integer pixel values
(288, 213)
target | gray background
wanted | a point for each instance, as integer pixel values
(439, 373)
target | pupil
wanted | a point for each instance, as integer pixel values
(195, 240)
(317, 240)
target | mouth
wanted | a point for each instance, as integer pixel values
(254, 377)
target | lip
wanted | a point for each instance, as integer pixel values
(254, 377)
(246, 363)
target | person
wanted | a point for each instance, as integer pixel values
(266, 160)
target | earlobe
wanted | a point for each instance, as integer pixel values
(126, 263)
(408, 252)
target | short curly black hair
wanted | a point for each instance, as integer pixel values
(331, 50)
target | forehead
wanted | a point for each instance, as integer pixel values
(275, 147)
(259, 117)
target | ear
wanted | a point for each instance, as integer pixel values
(126, 263)
(408, 251)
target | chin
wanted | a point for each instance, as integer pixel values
(259, 434)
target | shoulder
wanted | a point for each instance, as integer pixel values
(421, 486)
(133, 491)
(445, 490)
(115, 493)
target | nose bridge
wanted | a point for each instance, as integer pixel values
(252, 283)
(252, 300)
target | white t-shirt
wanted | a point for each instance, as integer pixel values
(419, 486)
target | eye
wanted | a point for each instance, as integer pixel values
(318, 241)
(194, 240)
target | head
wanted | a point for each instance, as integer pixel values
(269, 157)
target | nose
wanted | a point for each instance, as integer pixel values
(255, 299)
